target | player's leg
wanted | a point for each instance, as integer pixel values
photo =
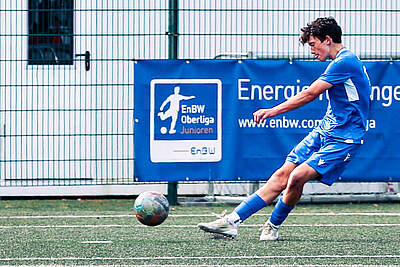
(298, 177)
(299, 154)
(163, 115)
(174, 116)
(227, 225)
(325, 165)
(277, 183)
(266, 194)
(301, 175)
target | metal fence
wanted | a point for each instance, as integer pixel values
(260, 29)
(66, 69)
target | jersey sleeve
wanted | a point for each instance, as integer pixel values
(336, 72)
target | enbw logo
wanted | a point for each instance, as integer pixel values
(185, 120)
(202, 150)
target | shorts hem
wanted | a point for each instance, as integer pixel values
(323, 179)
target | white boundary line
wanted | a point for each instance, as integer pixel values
(96, 242)
(204, 265)
(200, 257)
(187, 226)
(197, 215)
(197, 265)
(213, 265)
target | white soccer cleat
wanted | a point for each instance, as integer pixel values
(269, 232)
(220, 226)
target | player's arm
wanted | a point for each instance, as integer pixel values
(165, 102)
(187, 97)
(300, 99)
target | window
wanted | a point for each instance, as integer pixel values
(50, 32)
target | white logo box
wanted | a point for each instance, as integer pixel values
(181, 150)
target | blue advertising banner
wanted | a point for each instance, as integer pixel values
(193, 119)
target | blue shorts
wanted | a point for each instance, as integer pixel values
(327, 156)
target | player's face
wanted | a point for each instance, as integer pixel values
(319, 49)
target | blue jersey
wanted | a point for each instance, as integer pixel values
(349, 98)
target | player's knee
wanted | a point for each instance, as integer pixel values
(297, 179)
(281, 177)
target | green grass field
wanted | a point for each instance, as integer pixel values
(105, 232)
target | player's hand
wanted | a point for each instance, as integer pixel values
(262, 114)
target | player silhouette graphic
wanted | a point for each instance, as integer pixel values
(173, 110)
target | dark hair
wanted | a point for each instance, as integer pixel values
(320, 28)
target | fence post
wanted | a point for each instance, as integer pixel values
(173, 54)
(173, 29)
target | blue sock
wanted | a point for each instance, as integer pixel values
(250, 206)
(280, 213)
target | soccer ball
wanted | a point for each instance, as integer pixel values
(151, 208)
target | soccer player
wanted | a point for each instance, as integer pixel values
(324, 153)
(173, 109)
